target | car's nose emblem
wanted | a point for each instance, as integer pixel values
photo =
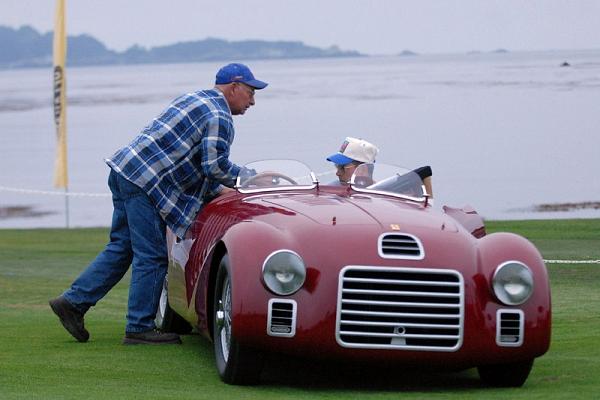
(395, 227)
(399, 330)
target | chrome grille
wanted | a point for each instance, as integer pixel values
(400, 308)
(281, 318)
(509, 327)
(400, 245)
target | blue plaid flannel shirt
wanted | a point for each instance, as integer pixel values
(181, 158)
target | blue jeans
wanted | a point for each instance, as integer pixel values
(137, 238)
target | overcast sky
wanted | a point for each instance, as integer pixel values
(369, 26)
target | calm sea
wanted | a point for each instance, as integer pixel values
(503, 132)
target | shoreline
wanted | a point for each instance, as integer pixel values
(20, 216)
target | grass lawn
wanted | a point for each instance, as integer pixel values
(39, 360)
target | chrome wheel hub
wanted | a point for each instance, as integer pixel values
(223, 319)
(162, 307)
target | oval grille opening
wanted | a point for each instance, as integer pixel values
(400, 308)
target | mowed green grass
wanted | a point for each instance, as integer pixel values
(39, 360)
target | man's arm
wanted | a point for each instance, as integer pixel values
(216, 142)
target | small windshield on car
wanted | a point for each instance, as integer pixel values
(388, 179)
(268, 175)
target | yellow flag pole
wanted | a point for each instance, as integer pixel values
(61, 179)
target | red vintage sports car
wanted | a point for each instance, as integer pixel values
(360, 272)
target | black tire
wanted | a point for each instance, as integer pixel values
(166, 319)
(237, 364)
(505, 375)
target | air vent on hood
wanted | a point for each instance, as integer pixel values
(400, 245)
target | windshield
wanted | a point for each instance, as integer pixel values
(268, 175)
(385, 179)
(388, 179)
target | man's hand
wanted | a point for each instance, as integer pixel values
(269, 178)
(226, 190)
(266, 178)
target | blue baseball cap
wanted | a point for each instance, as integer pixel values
(236, 72)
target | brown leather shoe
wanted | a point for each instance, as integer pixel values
(70, 318)
(151, 337)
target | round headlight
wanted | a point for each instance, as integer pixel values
(513, 283)
(284, 272)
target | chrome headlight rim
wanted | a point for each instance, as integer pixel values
(525, 279)
(276, 286)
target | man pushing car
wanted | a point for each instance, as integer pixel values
(162, 178)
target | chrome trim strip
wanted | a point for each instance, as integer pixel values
(400, 303)
(392, 314)
(393, 335)
(389, 194)
(373, 323)
(398, 281)
(399, 293)
(276, 189)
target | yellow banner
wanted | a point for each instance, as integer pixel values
(61, 179)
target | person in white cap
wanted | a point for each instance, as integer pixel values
(352, 153)
(355, 152)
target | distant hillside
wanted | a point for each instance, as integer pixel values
(25, 47)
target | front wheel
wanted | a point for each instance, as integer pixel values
(506, 375)
(168, 320)
(237, 364)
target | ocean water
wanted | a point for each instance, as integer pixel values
(502, 132)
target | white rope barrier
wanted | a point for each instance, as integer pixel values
(52, 193)
(83, 194)
(572, 261)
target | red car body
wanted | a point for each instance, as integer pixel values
(432, 304)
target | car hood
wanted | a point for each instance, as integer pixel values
(331, 209)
